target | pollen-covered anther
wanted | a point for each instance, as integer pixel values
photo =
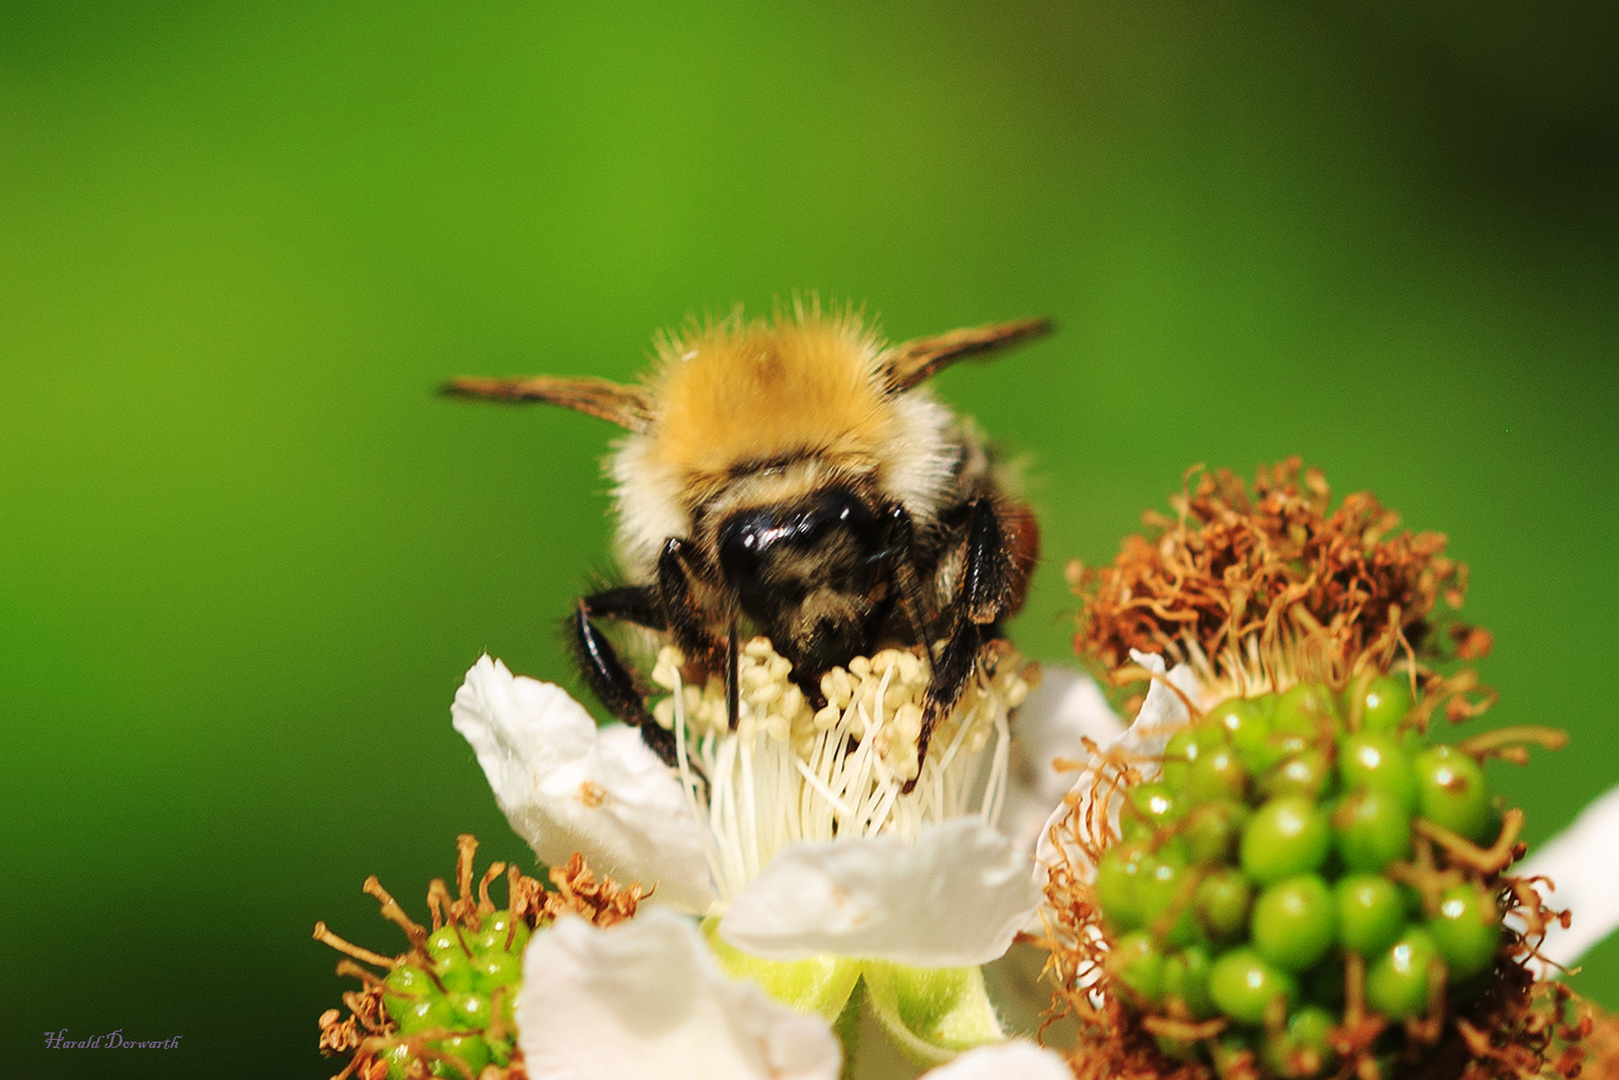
(338, 1037)
(791, 772)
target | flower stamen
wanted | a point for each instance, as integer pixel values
(326, 937)
(790, 773)
(408, 1021)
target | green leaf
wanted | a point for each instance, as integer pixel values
(821, 984)
(931, 1014)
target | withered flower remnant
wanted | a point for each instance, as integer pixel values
(1274, 873)
(444, 1007)
(1248, 586)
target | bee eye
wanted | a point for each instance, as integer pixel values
(741, 540)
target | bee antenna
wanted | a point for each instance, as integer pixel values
(629, 407)
(912, 362)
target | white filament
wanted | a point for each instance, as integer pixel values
(778, 780)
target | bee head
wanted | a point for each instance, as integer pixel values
(810, 572)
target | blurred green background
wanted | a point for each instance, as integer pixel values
(246, 555)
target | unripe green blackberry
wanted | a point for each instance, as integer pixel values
(1347, 880)
(1273, 854)
(464, 987)
(446, 1007)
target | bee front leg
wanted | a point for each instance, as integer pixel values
(690, 624)
(988, 575)
(988, 588)
(684, 617)
(955, 665)
(606, 674)
(635, 604)
(900, 551)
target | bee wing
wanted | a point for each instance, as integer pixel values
(912, 362)
(627, 406)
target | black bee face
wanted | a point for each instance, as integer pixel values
(812, 573)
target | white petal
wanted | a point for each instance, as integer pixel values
(957, 896)
(1060, 713)
(1581, 864)
(1163, 711)
(566, 787)
(644, 999)
(1016, 1060)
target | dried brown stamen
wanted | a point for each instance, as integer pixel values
(603, 903)
(372, 1037)
(1257, 589)
(1512, 743)
(1487, 861)
(325, 936)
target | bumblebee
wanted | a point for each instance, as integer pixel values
(793, 478)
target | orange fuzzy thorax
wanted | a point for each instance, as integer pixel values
(732, 395)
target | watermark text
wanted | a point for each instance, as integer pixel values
(113, 1040)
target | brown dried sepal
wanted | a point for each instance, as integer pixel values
(1273, 585)
(370, 1035)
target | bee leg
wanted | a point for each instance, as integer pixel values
(628, 603)
(954, 667)
(987, 584)
(901, 536)
(987, 591)
(611, 682)
(683, 618)
(687, 623)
